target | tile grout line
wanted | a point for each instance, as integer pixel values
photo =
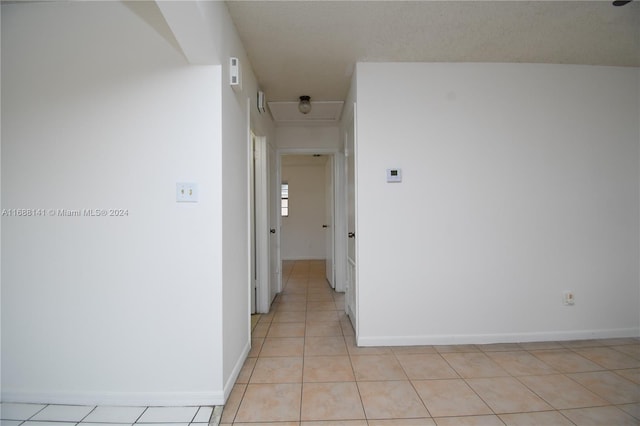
(36, 413)
(417, 393)
(91, 411)
(465, 380)
(355, 378)
(559, 410)
(569, 348)
(304, 346)
(195, 414)
(556, 372)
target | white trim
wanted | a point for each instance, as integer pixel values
(278, 176)
(340, 223)
(352, 293)
(302, 258)
(339, 217)
(250, 215)
(356, 280)
(330, 208)
(351, 308)
(262, 225)
(462, 339)
(134, 399)
(228, 386)
(142, 399)
(274, 194)
(307, 151)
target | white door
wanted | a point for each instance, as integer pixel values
(351, 291)
(339, 223)
(328, 222)
(262, 229)
(275, 285)
(252, 221)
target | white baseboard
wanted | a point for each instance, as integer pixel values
(136, 399)
(228, 386)
(479, 339)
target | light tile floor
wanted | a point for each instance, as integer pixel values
(81, 415)
(304, 369)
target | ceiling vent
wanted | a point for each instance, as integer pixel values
(322, 112)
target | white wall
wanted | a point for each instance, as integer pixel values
(0, 208)
(302, 234)
(519, 181)
(122, 122)
(235, 197)
(321, 138)
(99, 110)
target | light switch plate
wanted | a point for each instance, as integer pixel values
(186, 192)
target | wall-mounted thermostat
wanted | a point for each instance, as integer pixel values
(394, 175)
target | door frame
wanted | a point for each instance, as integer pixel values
(352, 311)
(330, 210)
(339, 207)
(262, 225)
(273, 200)
(253, 249)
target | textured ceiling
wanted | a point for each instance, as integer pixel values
(310, 47)
(321, 112)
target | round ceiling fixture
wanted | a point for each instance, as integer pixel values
(305, 104)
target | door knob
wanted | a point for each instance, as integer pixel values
(351, 234)
(325, 226)
(272, 230)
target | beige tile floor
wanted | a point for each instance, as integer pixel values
(304, 369)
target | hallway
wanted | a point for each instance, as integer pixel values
(305, 369)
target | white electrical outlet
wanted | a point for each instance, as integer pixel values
(568, 298)
(186, 192)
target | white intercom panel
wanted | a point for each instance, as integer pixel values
(261, 103)
(235, 76)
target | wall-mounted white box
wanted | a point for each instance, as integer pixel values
(235, 74)
(261, 102)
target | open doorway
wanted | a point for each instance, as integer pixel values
(276, 217)
(307, 197)
(265, 270)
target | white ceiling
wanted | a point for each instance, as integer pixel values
(321, 112)
(310, 47)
